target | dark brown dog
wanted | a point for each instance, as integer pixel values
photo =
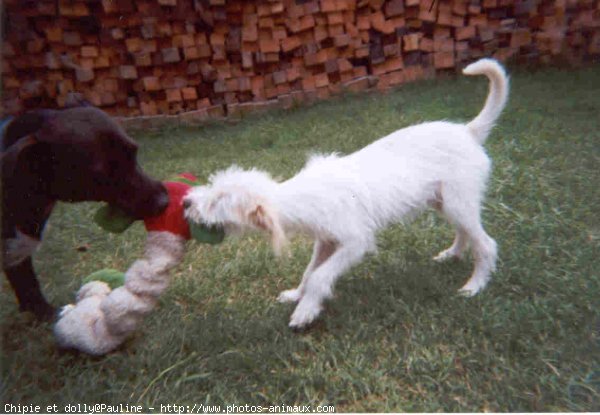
(73, 155)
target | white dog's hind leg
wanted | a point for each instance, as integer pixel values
(457, 249)
(462, 208)
(485, 253)
(321, 251)
(319, 285)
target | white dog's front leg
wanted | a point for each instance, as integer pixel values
(319, 285)
(322, 250)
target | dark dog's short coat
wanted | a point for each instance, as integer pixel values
(72, 155)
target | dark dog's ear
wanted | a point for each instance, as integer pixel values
(19, 135)
(22, 126)
(10, 157)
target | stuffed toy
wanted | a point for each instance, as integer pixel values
(111, 305)
(112, 277)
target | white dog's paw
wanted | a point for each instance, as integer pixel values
(304, 314)
(467, 292)
(472, 288)
(445, 255)
(289, 296)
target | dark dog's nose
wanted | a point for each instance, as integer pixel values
(187, 203)
(163, 201)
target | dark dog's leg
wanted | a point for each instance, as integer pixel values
(27, 289)
(19, 242)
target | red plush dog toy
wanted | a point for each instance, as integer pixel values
(172, 220)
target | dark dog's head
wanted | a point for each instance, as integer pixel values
(80, 154)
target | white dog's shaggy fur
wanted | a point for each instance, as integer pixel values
(343, 201)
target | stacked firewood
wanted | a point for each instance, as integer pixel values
(225, 57)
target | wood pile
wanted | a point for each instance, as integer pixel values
(215, 58)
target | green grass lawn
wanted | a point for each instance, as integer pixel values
(397, 337)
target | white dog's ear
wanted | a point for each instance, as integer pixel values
(266, 219)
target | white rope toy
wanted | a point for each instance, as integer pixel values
(102, 319)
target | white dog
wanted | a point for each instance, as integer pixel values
(343, 201)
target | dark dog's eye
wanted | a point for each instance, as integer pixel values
(113, 167)
(129, 157)
(123, 150)
(121, 162)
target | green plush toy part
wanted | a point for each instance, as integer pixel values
(110, 276)
(112, 219)
(207, 234)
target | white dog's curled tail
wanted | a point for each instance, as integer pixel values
(481, 126)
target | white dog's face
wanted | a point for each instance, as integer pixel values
(237, 201)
